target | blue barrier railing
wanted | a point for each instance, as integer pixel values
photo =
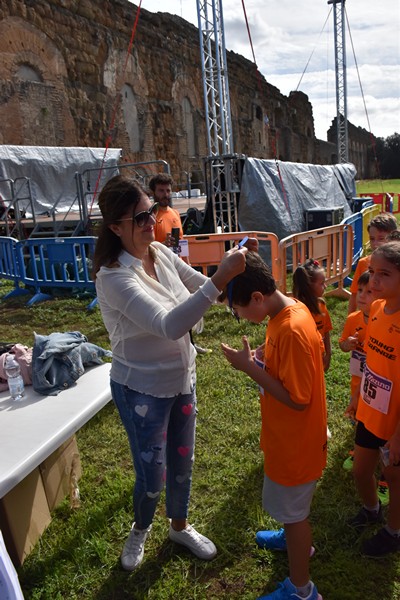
(43, 265)
(9, 265)
(356, 222)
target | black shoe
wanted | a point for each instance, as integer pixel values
(381, 544)
(366, 517)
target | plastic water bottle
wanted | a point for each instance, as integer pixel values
(14, 378)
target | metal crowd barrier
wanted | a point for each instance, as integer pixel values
(43, 265)
(207, 250)
(368, 213)
(331, 246)
(356, 222)
(9, 265)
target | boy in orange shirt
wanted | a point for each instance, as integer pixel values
(293, 412)
(379, 229)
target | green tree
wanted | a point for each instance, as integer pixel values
(388, 156)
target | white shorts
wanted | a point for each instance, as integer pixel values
(287, 504)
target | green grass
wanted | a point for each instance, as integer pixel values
(378, 186)
(78, 555)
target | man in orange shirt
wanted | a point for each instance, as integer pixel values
(168, 218)
(293, 413)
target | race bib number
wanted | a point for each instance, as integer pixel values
(376, 390)
(357, 362)
(261, 364)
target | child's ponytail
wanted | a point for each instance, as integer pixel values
(302, 290)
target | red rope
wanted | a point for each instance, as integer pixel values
(115, 108)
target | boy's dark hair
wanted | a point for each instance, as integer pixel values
(302, 279)
(390, 252)
(363, 279)
(160, 179)
(383, 222)
(257, 277)
(394, 236)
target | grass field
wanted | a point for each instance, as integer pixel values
(78, 555)
(378, 186)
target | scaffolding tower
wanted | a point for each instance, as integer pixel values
(223, 168)
(342, 140)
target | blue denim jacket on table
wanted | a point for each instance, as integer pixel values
(59, 359)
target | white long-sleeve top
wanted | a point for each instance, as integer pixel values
(148, 321)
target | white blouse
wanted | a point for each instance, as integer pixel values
(148, 321)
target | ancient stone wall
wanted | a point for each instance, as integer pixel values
(66, 79)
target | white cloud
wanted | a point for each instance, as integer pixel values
(286, 32)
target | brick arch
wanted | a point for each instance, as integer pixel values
(34, 112)
(133, 134)
(185, 91)
(183, 87)
(23, 43)
(133, 76)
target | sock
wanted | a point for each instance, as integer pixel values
(392, 532)
(305, 590)
(374, 509)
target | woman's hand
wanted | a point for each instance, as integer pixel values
(233, 262)
(252, 244)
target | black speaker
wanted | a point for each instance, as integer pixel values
(318, 218)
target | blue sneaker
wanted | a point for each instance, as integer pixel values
(287, 591)
(274, 540)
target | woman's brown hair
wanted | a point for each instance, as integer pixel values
(119, 196)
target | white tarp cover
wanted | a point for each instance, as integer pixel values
(51, 171)
(267, 205)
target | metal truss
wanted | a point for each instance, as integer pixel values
(215, 77)
(341, 80)
(222, 167)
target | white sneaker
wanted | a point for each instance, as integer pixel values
(201, 350)
(201, 546)
(133, 550)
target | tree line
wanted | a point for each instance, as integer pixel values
(387, 156)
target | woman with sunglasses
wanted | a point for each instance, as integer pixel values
(149, 299)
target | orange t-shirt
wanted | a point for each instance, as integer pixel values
(361, 267)
(323, 319)
(355, 323)
(379, 401)
(166, 219)
(294, 441)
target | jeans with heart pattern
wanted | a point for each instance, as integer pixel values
(161, 433)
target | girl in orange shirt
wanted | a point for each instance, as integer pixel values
(308, 287)
(376, 405)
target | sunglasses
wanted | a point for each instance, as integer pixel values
(229, 293)
(142, 218)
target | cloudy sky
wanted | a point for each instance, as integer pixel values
(286, 33)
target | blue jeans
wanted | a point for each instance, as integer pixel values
(161, 434)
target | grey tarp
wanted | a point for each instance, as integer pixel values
(275, 200)
(51, 171)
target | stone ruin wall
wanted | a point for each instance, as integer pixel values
(62, 83)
